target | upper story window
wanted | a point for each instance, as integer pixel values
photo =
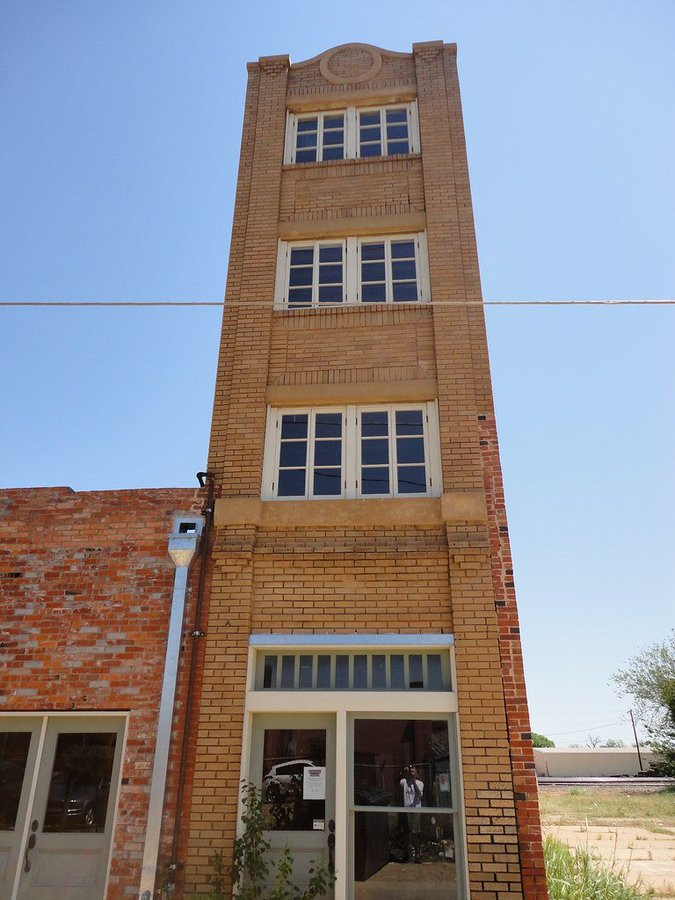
(390, 269)
(352, 451)
(352, 133)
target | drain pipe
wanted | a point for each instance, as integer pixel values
(182, 548)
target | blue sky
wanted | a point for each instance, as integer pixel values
(121, 125)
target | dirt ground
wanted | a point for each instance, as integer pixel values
(643, 851)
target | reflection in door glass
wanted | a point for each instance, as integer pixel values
(13, 755)
(386, 754)
(80, 782)
(410, 855)
(287, 754)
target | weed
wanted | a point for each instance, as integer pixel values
(578, 875)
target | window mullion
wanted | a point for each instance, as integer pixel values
(311, 430)
(393, 461)
(351, 132)
(350, 452)
(315, 273)
(389, 275)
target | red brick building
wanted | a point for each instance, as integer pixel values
(359, 659)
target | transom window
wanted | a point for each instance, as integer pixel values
(390, 269)
(352, 451)
(355, 670)
(352, 133)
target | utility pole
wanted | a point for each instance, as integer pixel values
(637, 743)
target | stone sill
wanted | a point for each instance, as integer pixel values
(453, 507)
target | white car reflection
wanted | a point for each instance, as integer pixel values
(285, 780)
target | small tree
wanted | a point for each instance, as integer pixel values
(649, 677)
(540, 740)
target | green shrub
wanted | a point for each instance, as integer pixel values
(578, 875)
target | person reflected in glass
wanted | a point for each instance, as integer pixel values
(413, 791)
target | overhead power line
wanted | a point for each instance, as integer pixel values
(258, 304)
(587, 729)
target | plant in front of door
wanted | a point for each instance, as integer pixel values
(252, 870)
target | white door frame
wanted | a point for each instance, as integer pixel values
(45, 718)
(345, 704)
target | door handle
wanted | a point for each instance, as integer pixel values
(32, 840)
(331, 847)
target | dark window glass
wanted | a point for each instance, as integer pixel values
(330, 254)
(371, 150)
(330, 273)
(410, 450)
(287, 672)
(327, 482)
(270, 672)
(379, 672)
(323, 672)
(397, 675)
(14, 746)
(416, 676)
(397, 132)
(373, 293)
(434, 672)
(299, 296)
(300, 276)
(306, 668)
(331, 293)
(307, 125)
(375, 481)
(328, 425)
(294, 426)
(80, 783)
(397, 115)
(286, 755)
(374, 451)
(370, 118)
(396, 148)
(293, 453)
(332, 137)
(333, 122)
(403, 269)
(405, 292)
(374, 424)
(370, 135)
(303, 156)
(307, 140)
(402, 249)
(302, 256)
(328, 453)
(333, 153)
(372, 271)
(409, 421)
(372, 251)
(291, 483)
(341, 672)
(360, 672)
(411, 479)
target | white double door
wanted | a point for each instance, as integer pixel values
(58, 792)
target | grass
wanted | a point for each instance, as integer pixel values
(654, 811)
(578, 875)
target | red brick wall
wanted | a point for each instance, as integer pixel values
(86, 584)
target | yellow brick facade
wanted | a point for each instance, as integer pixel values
(346, 566)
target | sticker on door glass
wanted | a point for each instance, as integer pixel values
(314, 783)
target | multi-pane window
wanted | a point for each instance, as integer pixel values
(353, 270)
(384, 132)
(352, 451)
(388, 271)
(319, 137)
(352, 133)
(315, 274)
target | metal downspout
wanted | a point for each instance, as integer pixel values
(182, 548)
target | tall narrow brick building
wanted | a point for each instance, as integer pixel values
(362, 660)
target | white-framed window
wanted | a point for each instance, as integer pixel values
(378, 450)
(352, 133)
(378, 269)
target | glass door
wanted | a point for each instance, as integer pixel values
(293, 764)
(403, 821)
(59, 778)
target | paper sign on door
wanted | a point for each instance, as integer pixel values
(314, 783)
